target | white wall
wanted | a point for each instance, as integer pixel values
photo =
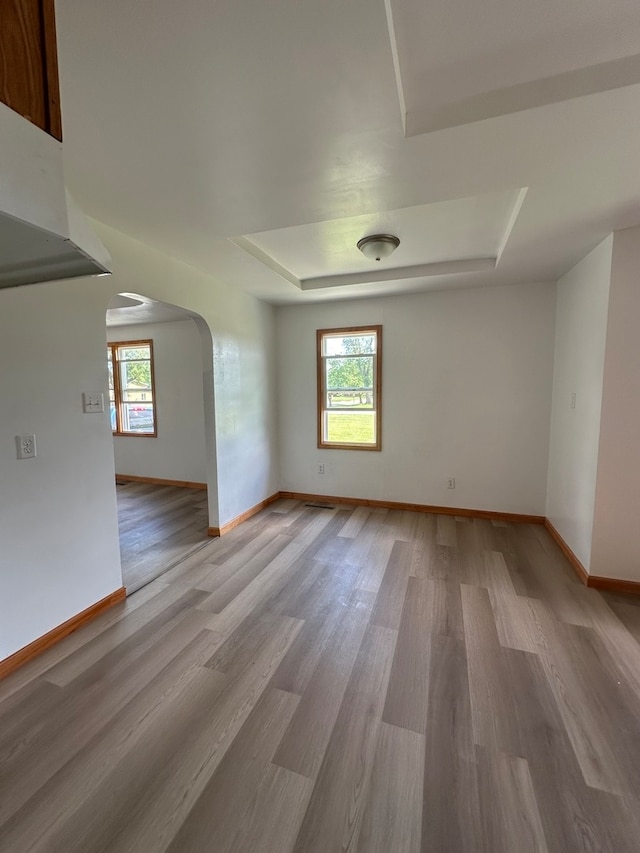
(581, 322)
(466, 386)
(616, 545)
(58, 532)
(178, 451)
(242, 373)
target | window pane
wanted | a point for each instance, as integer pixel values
(131, 388)
(135, 376)
(349, 374)
(354, 378)
(137, 395)
(350, 400)
(348, 344)
(351, 427)
(137, 418)
(134, 353)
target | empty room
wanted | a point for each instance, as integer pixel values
(319, 381)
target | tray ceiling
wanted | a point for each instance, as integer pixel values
(443, 238)
(258, 141)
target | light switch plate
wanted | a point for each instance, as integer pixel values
(92, 402)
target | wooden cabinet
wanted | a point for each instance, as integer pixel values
(29, 62)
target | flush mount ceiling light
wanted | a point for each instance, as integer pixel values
(378, 246)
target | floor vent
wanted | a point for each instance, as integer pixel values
(320, 506)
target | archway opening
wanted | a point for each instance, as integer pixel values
(160, 359)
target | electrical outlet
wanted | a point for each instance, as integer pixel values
(573, 401)
(26, 445)
(451, 483)
(320, 468)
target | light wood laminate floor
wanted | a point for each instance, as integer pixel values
(159, 526)
(349, 679)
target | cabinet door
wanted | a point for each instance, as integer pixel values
(28, 62)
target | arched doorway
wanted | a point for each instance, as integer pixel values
(160, 360)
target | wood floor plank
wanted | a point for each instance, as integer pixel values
(451, 820)
(360, 545)
(237, 576)
(446, 609)
(572, 813)
(273, 816)
(159, 525)
(305, 742)
(556, 581)
(594, 708)
(402, 524)
(374, 680)
(316, 585)
(306, 591)
(621, 645)
(512, 614)
(331, 548)
(161, 781)
(334, 818)
(408, 695)
(75, 722)
(270, 580)
(390, 599)
(192, 565)
(22, 719)
(354, 525)
(220, 810)
(494, 707)
(627, 609)
(446, 533)
(244, 645)
(54, 817)
(444, 565)
(229, 563)
(134, 634)
(472, 568)
(393, 815)
(424, 546)
(77, 640)
(299, 664)
(376, 560)
(511, 819)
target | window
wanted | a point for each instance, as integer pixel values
(349, 391)
(131, 388)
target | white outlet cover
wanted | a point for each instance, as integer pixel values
(26, 446)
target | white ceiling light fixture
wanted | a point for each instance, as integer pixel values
(378, 246)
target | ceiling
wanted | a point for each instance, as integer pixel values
(130, 309)
(259, 141)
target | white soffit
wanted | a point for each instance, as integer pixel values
(444, 238)
(462, 62)
(43, 234)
